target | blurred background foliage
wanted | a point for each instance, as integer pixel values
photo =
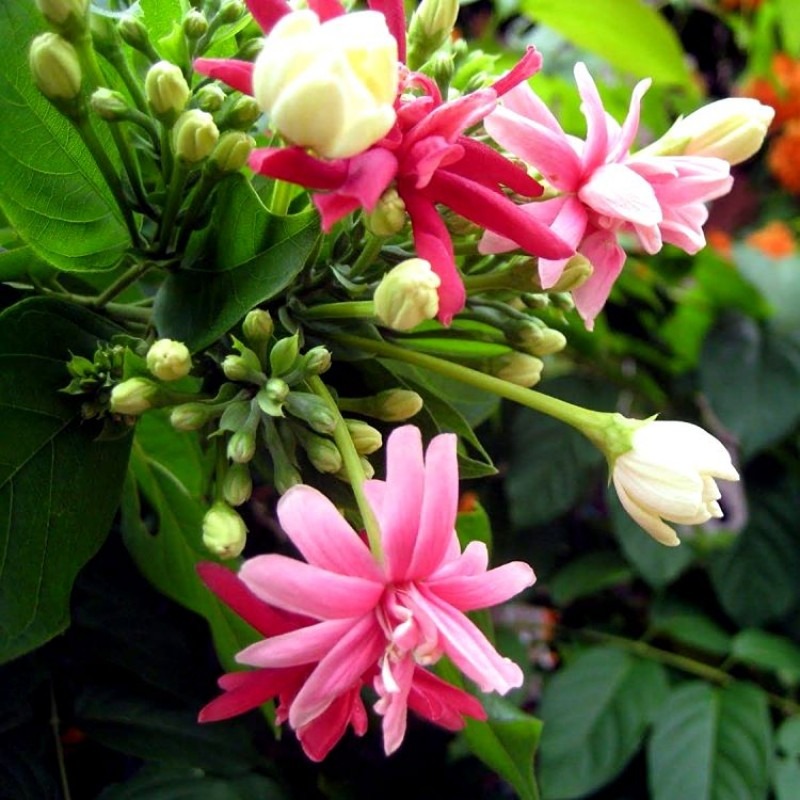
(658, 672)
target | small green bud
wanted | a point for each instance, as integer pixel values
(242, 446)
(195, 24)
(237, 485)
(167, 91)
(68, 17)
(209, 98)
(576, 272)
(396, 405)
(134, 396)
(312, 409)
(323, 454)
(365, 438)
(194, 136)
(134, 33)
(242, 114)
(109, 105)
(317, 360)
(388, 216)
(224, 531)
(231, 11)
(250, 49)
(243, 367)
(56, 69)
(367, 468)
(191, 416)
(270, 399)
(232, 151)
(169, 360)
(284, 355)
(258, 325)
(430, 27)
(518, 368)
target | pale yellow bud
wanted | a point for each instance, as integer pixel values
(232, 151)
(329, 86)
(194, 136)
(133, 397)
(166, 90)
(224, 531)
(55, 67)
(389, 215)
(169, 360)
(430, 27)
(396, 405)
(519, 368)
(407, 295)
(63, 13)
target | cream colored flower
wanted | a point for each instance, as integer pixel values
(407, 295)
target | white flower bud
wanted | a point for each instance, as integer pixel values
(668, 474)
(407, 295)
(389, 215)
(232, 150)
(395, 405)
(224, 531)
(194, 136)
(169, 360)
(329, 86)
(59, 12)
(55, 67)
(519, 368)
(133, 397)
(167, 90)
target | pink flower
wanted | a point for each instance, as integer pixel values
(372, 621)
(604, 189)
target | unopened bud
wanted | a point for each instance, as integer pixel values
(317, 360)
(194, 136)
(190, 416)
(134, 33)
(133, 397)
(430, 27)
(323, 454)
(56, 69)
(195, 24)
(210, 98)
(224, 531)
(237, 486)
(242, 113)
(231, 11)
(284, 355)
(67, 16)
(270, 399)
(167, 91)
(396, 405)
(232, 151)
(366, 439)
(169, 360)
(366, 467)
(534, 337)
(388, 216)
(518, 368)
(109, 105)
(576, 272)
(242, 446)
(407, 295)
(311, 409)
(257, 326)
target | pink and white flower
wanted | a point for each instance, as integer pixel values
(603, 189)
(358, 619)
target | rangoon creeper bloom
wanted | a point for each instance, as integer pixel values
(669, 474)
(342, 618)
(407, 295)
(329, 86)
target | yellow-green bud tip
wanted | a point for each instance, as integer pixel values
(169, 360)
(224, 531)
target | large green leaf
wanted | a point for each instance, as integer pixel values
(711, 744)
(777, 279)
(756, 578)
(768, 651)
(630, 34)
(59, 486)
(595, 713)
(247, 257)
(587, 574)
(786, 777)
(750, 375)
(52, 191)
(789, 17)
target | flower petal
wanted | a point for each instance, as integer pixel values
(249, 690)
(618, 192)
(320, 735)
(441, 703)
(473, 561)
(237, 74)
(607, 259)
(659, 530)
(595, 149)
(306, 589)
(470, 592)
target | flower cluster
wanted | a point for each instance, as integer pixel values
(347, 617)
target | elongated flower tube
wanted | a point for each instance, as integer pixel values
(669, 474)
(361, 620)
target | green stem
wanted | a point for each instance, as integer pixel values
(366, 258)
(166, 152)
(125, 280)
(172, 207)
(352, 309)
(199, 196)
(498, 279)
(352, 464)
(593, 424)
(282, 192)
(117, 60)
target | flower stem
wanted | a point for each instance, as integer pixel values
(352, 309)
(592, 424)
(127, 278)
(352, 464)
(281, 197)
(198, 199)
(372, 247)
(172, 206)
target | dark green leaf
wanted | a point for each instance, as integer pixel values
(689, 626)
(768, 651)
(786, 777)
(22, 264)
(711, 744)
(474, 525)
(59, 486)
(52, 191)
(751, 377)
(595, 713)
(247, 257)
(777, 279)
(588, 574)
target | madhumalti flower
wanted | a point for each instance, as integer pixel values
(359, 620)
(669, 474)
(603, 189)
(407, 295)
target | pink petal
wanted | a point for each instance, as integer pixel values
(237, 74)
(249, 690)
(439, 507)
(522, 100)
(306, 589)
(618, 192)
(267, 12)
(451, 118)
(485, 165)
(394, 12)
(548, 151)
(526, 67)
(340, 670)
(294, 165)
(428, 154)
(303, 646)
(627, 134)
(393, 706)
(596, 148)
(326, 9)
(607, 259)
(466, 646)
(469, 592)
(229, 588)
(473, 561)
(322, 534)
(442, 703)
(320, 735)
(570, 224)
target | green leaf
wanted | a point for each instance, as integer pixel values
(474, 526)
(629, 34)
(595, 713)
(657, 564)
(711, 744)
(751, 376)
(588, 574)
(506, 743)
(768, 651)
(756, 579)
(688, 625)
(167, 556)
(247, 257)
(59, 486)
(786, 776)
(159, 16)
(550, 464)
(789, 19)
(22, 264)
(52, 191)
(777, 279)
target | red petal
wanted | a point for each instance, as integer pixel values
(395, 15)
(528, 65)
(294, 165)
(267, 12)
(237, 74)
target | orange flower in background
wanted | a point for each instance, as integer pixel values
(783, 158)
(740, 5)
(775, 239)
(720, 242)
(781, 91)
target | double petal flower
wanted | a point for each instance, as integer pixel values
(603, 189)
(354, 619)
